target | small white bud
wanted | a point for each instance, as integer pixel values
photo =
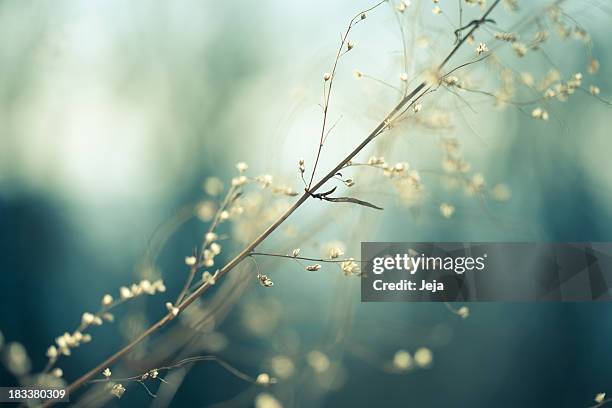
(264, 379)
(87, 318)
(172, 309)
(107, 300)
(215, 248)
(463, 312)
(207, 277)
(52, 352)
(125, 292)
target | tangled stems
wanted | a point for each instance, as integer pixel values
(406, 102)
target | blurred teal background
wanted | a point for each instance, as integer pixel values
(113, 113)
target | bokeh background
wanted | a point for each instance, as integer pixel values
(112, 115)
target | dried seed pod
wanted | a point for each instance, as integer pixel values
(265, 281)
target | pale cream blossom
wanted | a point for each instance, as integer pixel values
(264, 379)
(118, 390)
(174, 311)
(350, 267)
(539, 113)
(107, 300)
(125, 292)
(463, 312)
(423, 357)
(87, 318)
(482, 47)
(402, 360)
(447, 210)
(208, 278)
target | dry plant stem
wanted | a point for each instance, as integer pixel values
(327, 93)
(194, 269)
(187, 361)
(303, 258)
(405, 101)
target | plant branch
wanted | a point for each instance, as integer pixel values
(384, 124)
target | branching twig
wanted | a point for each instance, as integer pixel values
(190, 360)
(188, 300)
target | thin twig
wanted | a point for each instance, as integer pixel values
(305, 258)
(327, 94)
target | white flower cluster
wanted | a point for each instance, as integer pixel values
(68, 341)
(398, 169)
(562, 90)
(213, 249)
(408, 183)
(505, 36)
(350, 267)
(118, 390)
(264, 180)
(334, 249)
(143, 287)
